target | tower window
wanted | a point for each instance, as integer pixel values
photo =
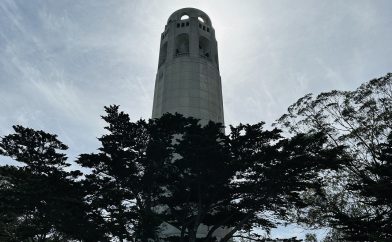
(208, 29)
(204, 27)
(204, 47)
(183, 17)
(182, 45)
(182, 25)
(199, 25)
(178, 25)
(187, 23)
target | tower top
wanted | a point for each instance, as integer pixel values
(188, 80)
(185, 13)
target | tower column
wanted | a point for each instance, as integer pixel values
(194, 38)
(188, 80)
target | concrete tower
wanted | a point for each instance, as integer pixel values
(188, 79)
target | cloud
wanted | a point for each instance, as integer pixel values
(60, 63)
(66, 61)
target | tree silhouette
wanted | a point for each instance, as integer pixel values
(173, 172)
(353, 200)
(39, 200)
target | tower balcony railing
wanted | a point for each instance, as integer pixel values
(182, 54)
(205, 56)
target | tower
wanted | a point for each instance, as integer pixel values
(188, 80)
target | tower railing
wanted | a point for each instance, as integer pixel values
(182, 54)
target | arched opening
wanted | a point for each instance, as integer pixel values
(182, 44)
(201, 19)
(204, 47)
(183, 17)
(162, 54)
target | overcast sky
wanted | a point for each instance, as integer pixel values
(62, 61)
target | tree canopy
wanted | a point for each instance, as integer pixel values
(356, 200)
(326, 163)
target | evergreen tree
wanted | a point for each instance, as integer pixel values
(39, 200)
(355, 200)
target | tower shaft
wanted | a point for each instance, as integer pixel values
(188, 80)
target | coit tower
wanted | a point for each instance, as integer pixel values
(188, 80)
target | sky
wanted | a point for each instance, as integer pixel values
(62, 61)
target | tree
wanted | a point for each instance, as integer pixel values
(199, 178)
(239, 180)
(170, 170)
(39, 200)
(310, 238)
(150, 173)
(175, 171)
(353, 200)
(127, 176)
(117, 185)
(278, 171)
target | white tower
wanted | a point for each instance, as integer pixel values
(188, 79)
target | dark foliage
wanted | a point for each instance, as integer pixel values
(356, 201)
(334, 170)
(39, 199)
(175, 172)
